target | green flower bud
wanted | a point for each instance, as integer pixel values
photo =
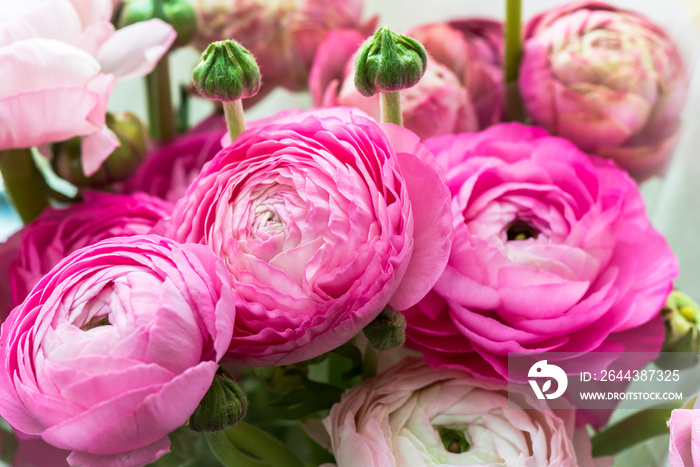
(388, 62)
(223, 405)
(387, 331)
(681, 315)
(226, 72)
(121, 164)
(178, 13)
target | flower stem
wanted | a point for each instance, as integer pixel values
(634, 429)
(262, 445)
(161, 116)
(370, 361)
(23, 183)
(390, 103)
(235, 121)
(511, 61)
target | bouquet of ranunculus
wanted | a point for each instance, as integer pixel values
(431, 265)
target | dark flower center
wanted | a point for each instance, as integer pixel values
(454, 440)
(521, 230)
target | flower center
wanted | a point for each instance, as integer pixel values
(521, 230)
(454, 441)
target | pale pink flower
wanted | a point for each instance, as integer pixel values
(60, 59)
(607, 79)
(684, 446)
(415, 415)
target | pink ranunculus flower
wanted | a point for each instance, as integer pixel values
(283, 36)
(65, 54)
(170, 168)
(415, 415)
(552, 252)
(323, 219)
(437, 105)
(684, 446)
(607, 79)
(473, 49)
(39, 246)
(115, 348)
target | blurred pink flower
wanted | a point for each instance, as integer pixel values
(437, 105)
(460, 91)
(282, 35)
(473, 49)
(61, 54)
(39, 246)
(323, 219)
(415, 415)
(684, 446)
(552, 252)
(125, 337)
(607, 79)
(170, 168)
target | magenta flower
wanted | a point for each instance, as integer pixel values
(684, 446)
(552, 252)
(415, 415)
(115, 347)
(39, 246)
(323, 219)
(607, 79)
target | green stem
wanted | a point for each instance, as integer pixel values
(390, 104)
(261, 444)
(235, 121)
(228, 454)
(369, 364)
(511, 61)
(634, 429)
(23, 183)
(161, 116)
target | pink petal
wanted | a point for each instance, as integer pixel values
(137, 457)
(96, 148)
(432, 216)
(136, 49)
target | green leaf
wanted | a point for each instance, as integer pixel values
(311, 398)
(634, 429)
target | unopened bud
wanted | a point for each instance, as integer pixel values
(223, 405)
(178, 13)
(121, 164)
(226, 72)
(388, 62)
(387, 331)
(680, 314)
